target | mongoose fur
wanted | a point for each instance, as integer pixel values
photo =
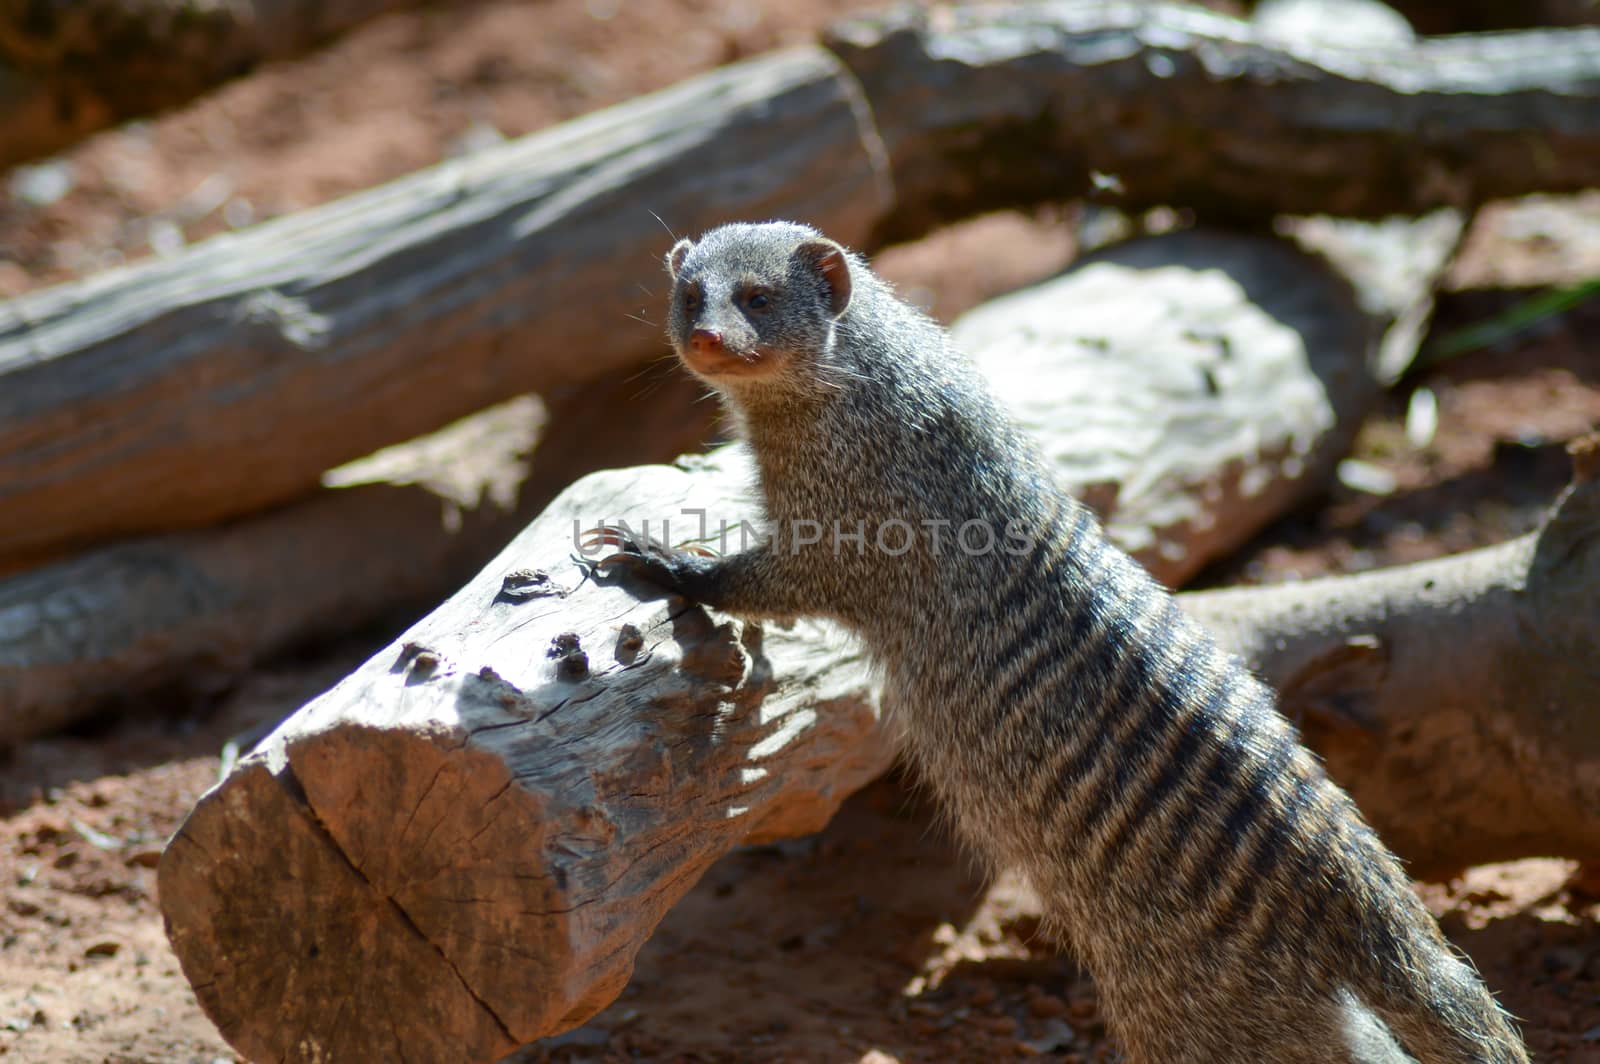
(1227, 896)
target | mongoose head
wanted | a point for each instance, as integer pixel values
(754, 306)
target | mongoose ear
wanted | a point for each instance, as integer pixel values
(675, 257)
(829, 260)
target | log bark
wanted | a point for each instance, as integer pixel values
(80, 67)
(156, 397)
(1141, 105)
(1190, 386)
(185, 614)
(229, 378)
(474, 833)
(1457, 700)
(532, 735)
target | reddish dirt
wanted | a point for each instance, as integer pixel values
(874, 941)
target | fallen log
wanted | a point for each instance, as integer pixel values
(474, 833)
(1139, 105)
(1457, 699)
(162, 396)
(529, 735)
(156, 397)
(185, 613)
(77, 68)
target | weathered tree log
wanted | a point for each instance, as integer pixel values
(1141, 105)
(80, 67)
(475, 832)
(566, 761)
(1111, 369)
(156, 397)
(230, 377)
(187, 612)
(1458, 700)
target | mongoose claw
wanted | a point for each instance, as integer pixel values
(619, 536)
(643, 557)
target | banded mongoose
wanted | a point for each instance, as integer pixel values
(1227, 896)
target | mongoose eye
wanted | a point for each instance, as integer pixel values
(757, 300)
(691, 300)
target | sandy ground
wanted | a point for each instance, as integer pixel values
(874, 941)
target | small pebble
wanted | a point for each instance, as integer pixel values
(166, 238)
(1422, 417)
(1366, 477)
(43, 183)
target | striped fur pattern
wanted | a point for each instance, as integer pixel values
(1227, 896)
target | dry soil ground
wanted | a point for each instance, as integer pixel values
(874, 941)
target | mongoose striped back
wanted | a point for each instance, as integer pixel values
(1227, 896)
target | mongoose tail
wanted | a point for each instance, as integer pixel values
(1227, 896)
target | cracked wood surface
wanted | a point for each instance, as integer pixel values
(499, 829)
(475, 832)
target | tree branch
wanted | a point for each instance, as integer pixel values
(1455, 699)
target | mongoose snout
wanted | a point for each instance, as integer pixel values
(708, 354)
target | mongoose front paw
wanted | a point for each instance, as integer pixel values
(646, 558)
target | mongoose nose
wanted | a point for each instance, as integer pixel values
(705, 341)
